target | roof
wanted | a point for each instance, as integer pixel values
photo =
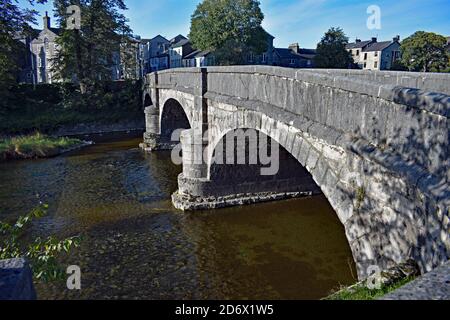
(358, 45)
(177, 39)
(181, 43)
(197, 54)
(158, 36)
(377, 46)
(290, 54)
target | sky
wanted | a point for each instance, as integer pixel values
(296, 21)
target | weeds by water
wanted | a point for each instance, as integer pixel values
(34, 146)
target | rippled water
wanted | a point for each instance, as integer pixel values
(137, 246)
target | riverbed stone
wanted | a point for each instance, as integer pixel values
(16, 280)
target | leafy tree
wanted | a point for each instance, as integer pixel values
(14, 22)
(41, 253)
(331, 50)
(425, 51)
(87, 55)
(230, 28)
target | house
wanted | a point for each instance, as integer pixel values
(156, 55)
(294, 57)
(199, 59)
(374, 55)
(44, 50)
(179, 51)
(266, 58)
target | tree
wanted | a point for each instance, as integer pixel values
(14, 23)
(230, 28)
(425, 51)
(87, 55)
(331, 50)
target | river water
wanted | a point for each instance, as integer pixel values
(137, 246)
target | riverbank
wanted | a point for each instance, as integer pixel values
(389, 281)
(37, 146)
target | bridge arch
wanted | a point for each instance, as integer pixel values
(173, 116)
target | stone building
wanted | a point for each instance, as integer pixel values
(44, 50)
(374, 55)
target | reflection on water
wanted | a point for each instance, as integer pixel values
(137, 246)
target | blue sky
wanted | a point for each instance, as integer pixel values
(302, 21)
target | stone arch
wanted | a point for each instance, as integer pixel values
(300, 171)
(147, 99)
(302, 149)
(173, 116)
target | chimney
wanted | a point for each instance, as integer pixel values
(374, 39)
(295, 47)
(46, 21)
(358, 40)
(396, 39)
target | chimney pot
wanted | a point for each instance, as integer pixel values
(295, 47)
(374, 39)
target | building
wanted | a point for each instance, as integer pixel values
(374, 55)
(199, 59)
(178, 51)
(294, 57)
(156, 56)
(44, 50)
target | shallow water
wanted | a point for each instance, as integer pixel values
(137, 246)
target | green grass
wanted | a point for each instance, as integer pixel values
(361, 292)
(34, 146)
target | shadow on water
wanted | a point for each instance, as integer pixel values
(137, 246)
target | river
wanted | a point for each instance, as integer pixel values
(137, 246)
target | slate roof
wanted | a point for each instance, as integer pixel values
(177, 39)
(377, 46)
(197, 54)
(290, 54)
(358, 45)
(180, 43)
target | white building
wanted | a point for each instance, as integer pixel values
(374, 55)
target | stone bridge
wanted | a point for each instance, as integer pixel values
(376, 144)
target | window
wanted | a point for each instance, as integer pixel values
(46, 44)
(357, 52)
(264, 57)
(292, 61)
(365, 65)
(376, 53)
(250, 57)
(375, 64)
(365, 56)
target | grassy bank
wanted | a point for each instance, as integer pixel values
(35, 146)
(362, 293)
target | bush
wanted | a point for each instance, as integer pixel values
(47, 107)
(41, 253)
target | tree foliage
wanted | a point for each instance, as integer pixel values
(87, 55)
(425, 51)
(331, 50)
(230, 28)
(14, 23)
(42, 253)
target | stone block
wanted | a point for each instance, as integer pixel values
(16, 280)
